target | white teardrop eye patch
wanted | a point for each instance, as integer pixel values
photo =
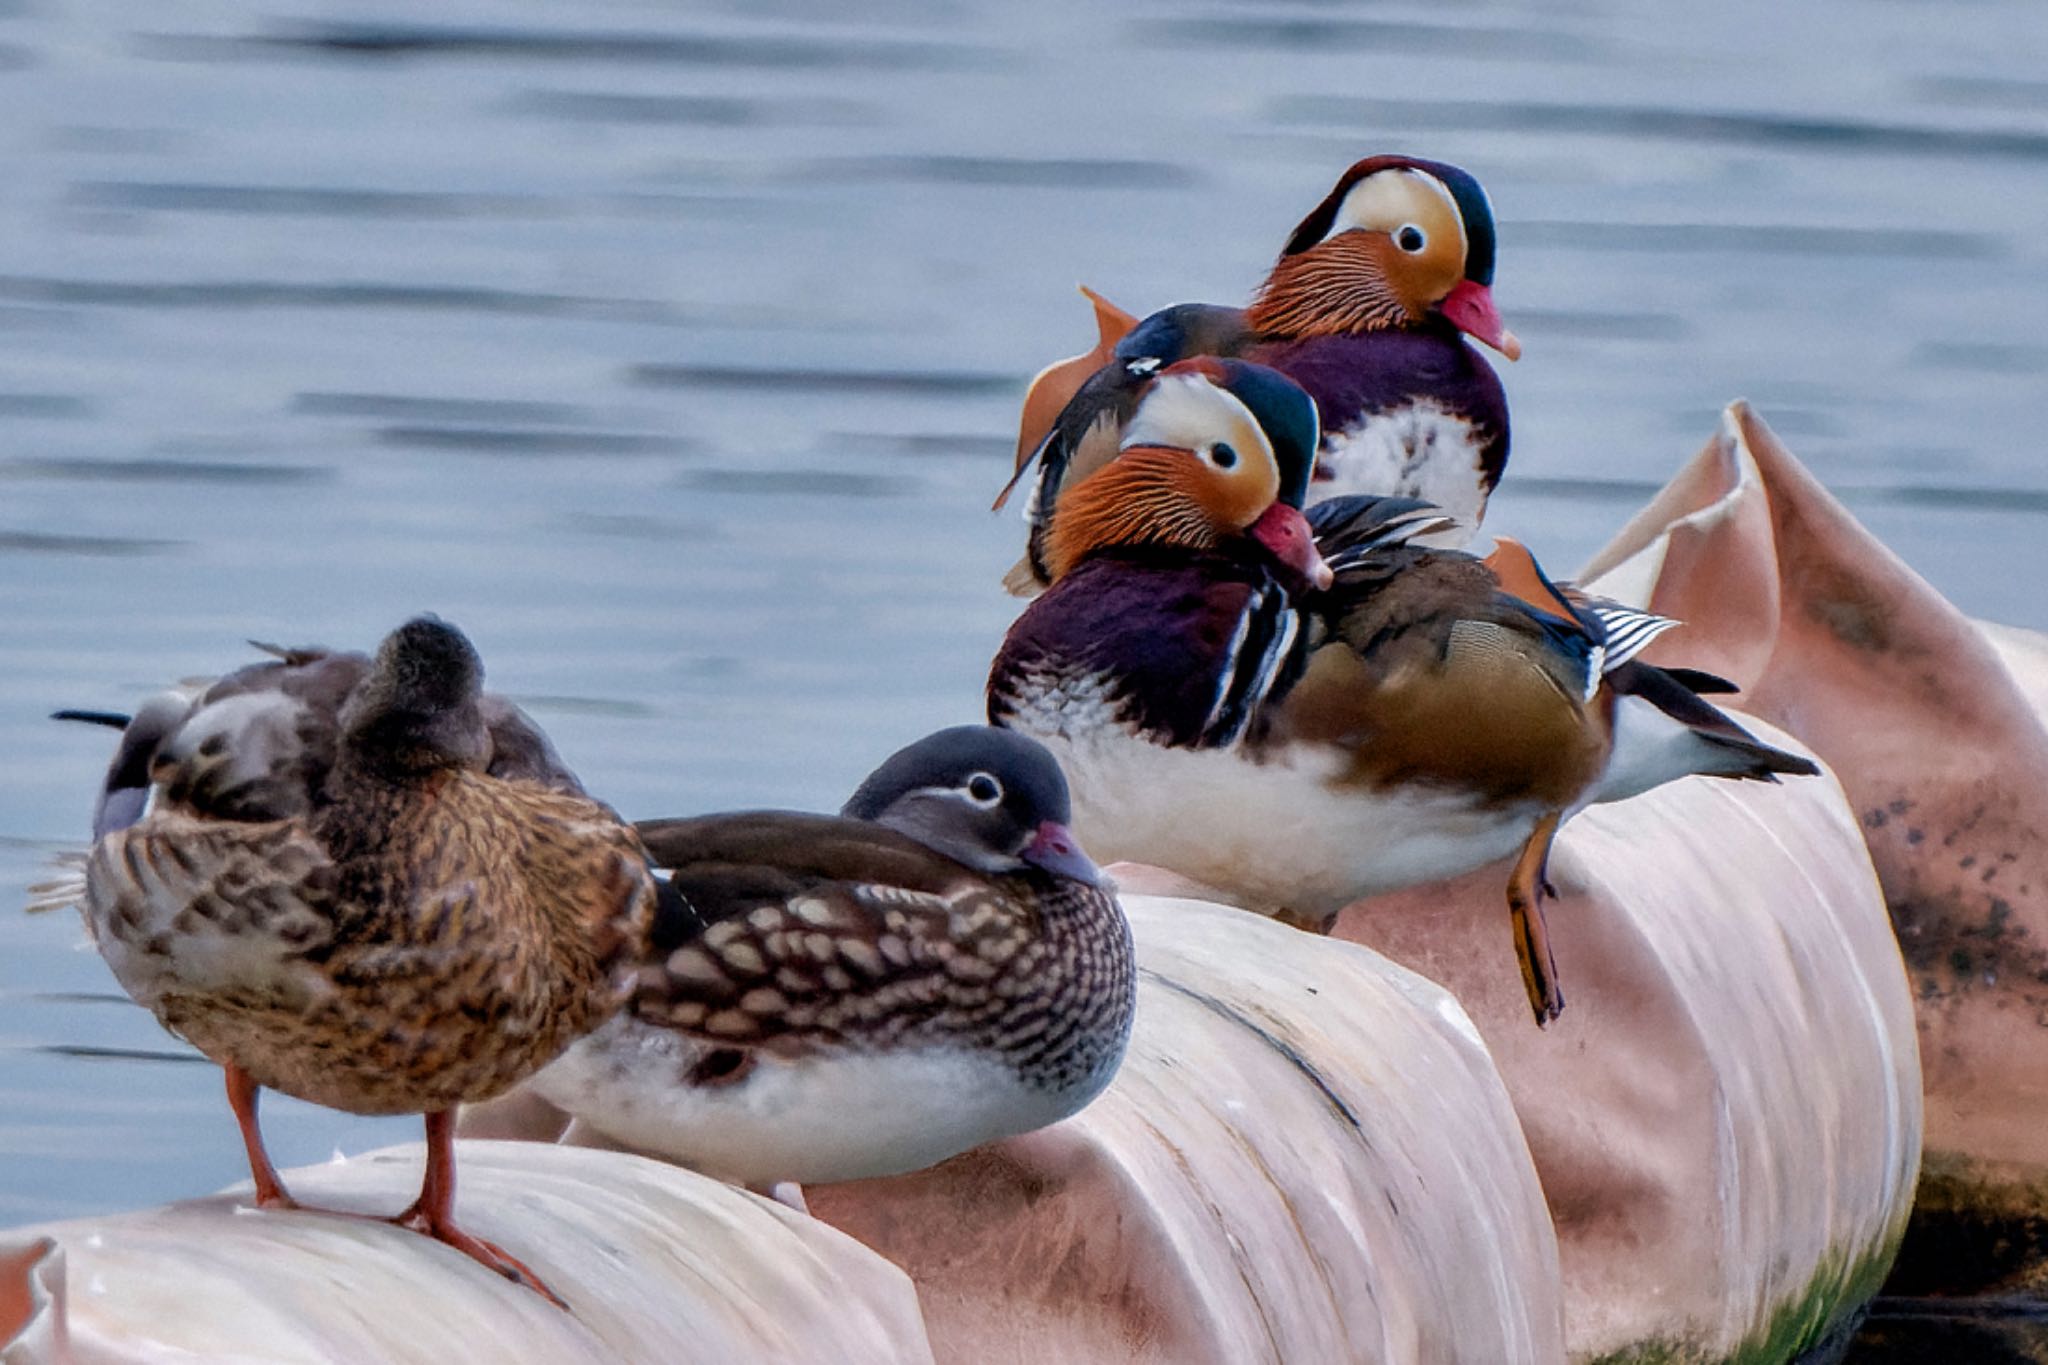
(1411, 207)
(983, 790)
(1187, 412)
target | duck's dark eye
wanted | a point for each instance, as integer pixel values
(984, 790)
(1410, 238)
(1223, 456)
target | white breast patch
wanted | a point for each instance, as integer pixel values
(1419, 451)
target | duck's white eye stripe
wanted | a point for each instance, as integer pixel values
(1187, 412)
(1387, 201)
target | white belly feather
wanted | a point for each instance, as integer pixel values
(1277, 835)
(838, 1115)
(1419, 451)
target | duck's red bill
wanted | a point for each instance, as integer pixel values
(1470, 309)
(1285, 533)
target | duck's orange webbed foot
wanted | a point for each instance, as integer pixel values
(433, 1213)
(1527, 886)
(487, 1254)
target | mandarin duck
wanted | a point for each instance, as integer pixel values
(1367, 308)
(1305, 727)
(837, 997)
(367, 883)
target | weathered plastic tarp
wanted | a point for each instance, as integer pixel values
(658, 1264)
(1307, 1156)
(1727, 1118)
(1935, 727)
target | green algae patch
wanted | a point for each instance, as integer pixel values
(1816, 1326)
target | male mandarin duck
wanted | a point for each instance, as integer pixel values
(837, 997)
(1303, 725)
(1367, 308)
(367, 883)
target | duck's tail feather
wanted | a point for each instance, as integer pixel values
(113, 720)
(1753, 759)
(63, 888)
(1702, 683)
(1664, 730)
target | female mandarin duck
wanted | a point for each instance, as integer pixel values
(831, 998)
(1304, 725)
(366, 883)
(1367, 309)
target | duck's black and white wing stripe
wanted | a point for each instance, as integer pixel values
(1262, 652)
(1350, 530)
(1626, 631)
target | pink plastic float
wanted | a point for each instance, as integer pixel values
(1933, 723)
(1310, 1155)
(1307, 1156)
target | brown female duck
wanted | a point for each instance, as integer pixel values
(365, 883)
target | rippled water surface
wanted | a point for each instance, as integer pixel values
(673, 351)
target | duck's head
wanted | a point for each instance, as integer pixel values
(1398, 238)
(417, 709)
(1216, 451)
(992, 799)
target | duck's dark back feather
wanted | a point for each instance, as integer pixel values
(258, 743)
(722, 866)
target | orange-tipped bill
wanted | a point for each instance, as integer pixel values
(1285, 532)
(1470, 309)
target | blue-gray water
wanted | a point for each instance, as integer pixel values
(673, 351)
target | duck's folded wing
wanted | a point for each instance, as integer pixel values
(1351, 530)
(258, 743)
(791, 928)
(211, 907)
(124, 793)
(520, 749)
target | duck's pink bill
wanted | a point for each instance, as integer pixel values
(1055, 849)
(1470, 309)
(1285, 533)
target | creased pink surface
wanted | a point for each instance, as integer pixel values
(1307, 1156)
(1934, 729)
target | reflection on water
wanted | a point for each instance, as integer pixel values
(674, 351)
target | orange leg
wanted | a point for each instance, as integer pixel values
(243, 1092)
(433, 1213)
(1526, 888)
